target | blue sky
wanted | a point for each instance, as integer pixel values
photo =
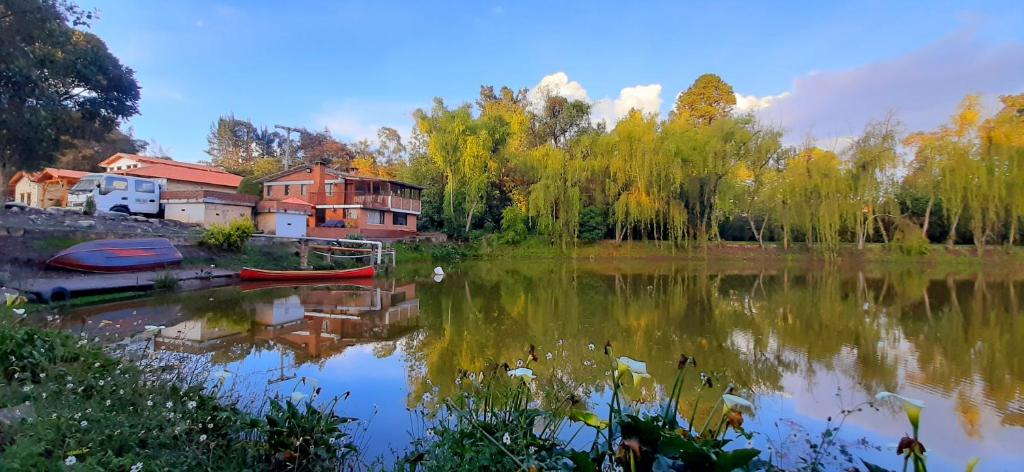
(820, 70)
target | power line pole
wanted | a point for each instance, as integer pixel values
(288, 148)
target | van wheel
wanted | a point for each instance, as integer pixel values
(120, 209)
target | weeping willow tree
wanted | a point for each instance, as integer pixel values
(642, 180)
(872, 160)
(816, 198)
(1002, 141)
(556, 197)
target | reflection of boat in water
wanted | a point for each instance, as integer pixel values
(269, 284)
(261, 274)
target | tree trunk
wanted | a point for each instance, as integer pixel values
(469, 217)
(753, 229)
(927, 216)
(951, 238)
(1013, 231)
(785, 236)
(861, 232)
(3, 188)
(881, 229)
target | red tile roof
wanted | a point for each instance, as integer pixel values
(174, 170)
(62, 173)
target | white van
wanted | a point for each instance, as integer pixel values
(117, 193)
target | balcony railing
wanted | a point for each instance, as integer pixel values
(378, 202)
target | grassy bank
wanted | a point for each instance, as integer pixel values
(938, 256)
(67, 403)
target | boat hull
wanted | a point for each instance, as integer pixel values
(117, 255)
(260, 274)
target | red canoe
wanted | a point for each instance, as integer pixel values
(260, 274)
(117, 255)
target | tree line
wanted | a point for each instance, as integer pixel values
(515, 165)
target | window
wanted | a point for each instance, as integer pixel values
(302, 189)
(145, 186)
(375, 217)
(267, 190)
(329, 189)
(111, 184)
(286, 188)
(400, 219)
(351, 214)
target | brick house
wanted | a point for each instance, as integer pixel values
(174, 175)
(346, 204)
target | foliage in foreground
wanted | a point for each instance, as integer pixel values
(97, 412)
(497, 424)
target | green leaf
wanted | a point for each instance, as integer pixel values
(736, 459)
(873, 467)
(589, 418)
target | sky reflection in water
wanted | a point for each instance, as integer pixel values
(804, 343)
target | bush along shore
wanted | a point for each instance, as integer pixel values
(66, 403)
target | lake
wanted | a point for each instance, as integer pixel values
(803, 342)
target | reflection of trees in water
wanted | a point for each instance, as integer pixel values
(754, 328)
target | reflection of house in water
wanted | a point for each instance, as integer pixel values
(338, 318)
(314, 321)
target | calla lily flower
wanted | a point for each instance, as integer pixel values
(912, 406)
(14, 300)
(154, 328)
(522, 372)
(297, 397)
(18, 311)
(634, 366)
(734, 403)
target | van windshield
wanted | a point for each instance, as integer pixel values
(86, 185)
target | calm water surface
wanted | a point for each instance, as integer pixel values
(804, 343)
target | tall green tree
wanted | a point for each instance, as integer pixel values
(58, 83)
(708, 99)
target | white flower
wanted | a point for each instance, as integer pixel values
(70, 461)
(26, 388)
(202, 437)
(590, 346)
(506, 439)
(107, 403)
(101, 382)
(522, 372)
(458, 380)
(297, 397)
(732, 402)
(548, 356)
(95, 365)
(149, 402)
(168, 405)
(18, 311)
(191, 404)
(83, 423)
(137, 467)
(42, 375)
(519, 363)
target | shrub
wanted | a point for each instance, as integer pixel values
(908, 238)
(166, 281)
(229, 238)
(513, 225)
(593, 224)
(90, 206)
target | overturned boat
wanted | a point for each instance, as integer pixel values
(118, 255)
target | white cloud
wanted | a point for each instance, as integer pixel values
(353, 120)
(921, 88)
(748, 103)
(557, 84)
(646, 98)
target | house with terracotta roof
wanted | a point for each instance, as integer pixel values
(345, 203)
(173, 175)
(46, 188)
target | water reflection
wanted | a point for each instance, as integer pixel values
(808, 342)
